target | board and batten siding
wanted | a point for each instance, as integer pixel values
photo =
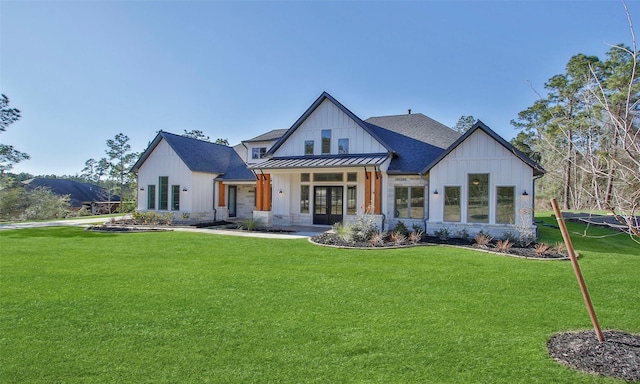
(328, 116)
(480, 153)
(164, 161)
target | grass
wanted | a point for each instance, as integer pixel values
(82, 307)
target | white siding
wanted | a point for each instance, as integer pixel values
(163, 161)
(328, 116)
(257, 144)
(480, 154)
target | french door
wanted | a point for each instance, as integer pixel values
(327, 205)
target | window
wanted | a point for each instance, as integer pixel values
(163, 185)
(351, 200)
(308, 147)
(505, 205)
(327, 176)
(352, 176)
(304, 199)
(175, 197)
(452, 204)
(343, 146)
(326, 141)
(409, 202)
(151, 196)
(478, 203)
(258, 153)
(304, 177)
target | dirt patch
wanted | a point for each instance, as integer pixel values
(618, 356)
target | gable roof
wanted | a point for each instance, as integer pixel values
(78, 192)
(201, 156)
(324, 96)
(479, 125)
(412, 154)
(274, 134)
(419, 127)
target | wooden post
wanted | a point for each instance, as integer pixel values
(377, 199)
(576, 268)
(221, 197)
(259, 193)
(367, 192)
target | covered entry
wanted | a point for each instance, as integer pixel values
(327, 205)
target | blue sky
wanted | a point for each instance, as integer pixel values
(82, 72)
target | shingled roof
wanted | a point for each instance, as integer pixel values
(78, 192)
(274, 134)
(201, 156)
(419, 127)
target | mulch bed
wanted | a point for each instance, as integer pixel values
(122, 229)
(617, 356)
(334, 240)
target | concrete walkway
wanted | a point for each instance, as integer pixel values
(293, 232)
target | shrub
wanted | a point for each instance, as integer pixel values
(397, 238)
(167, 218)
(377, 239)
(483, 240)
(462, 234)
(504, 246)
(442, 234)
(401, 228)
(542, 249)
(416, 235)
(560, 247)
(250, 224)
(363, 228)
(342, 231)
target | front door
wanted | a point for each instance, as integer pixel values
(233, 192)
(327, 205)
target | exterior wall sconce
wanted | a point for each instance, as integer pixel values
(142, 188)
(280, 192)
(184, 190)
(525, 193)
(435, 192)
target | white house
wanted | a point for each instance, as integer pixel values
(331, 166)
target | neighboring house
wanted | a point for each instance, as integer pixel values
(331, 166)
(81, 195)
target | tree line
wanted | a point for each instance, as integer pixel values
(584, 131)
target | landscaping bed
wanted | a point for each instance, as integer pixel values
(333, 239)
(617, 356)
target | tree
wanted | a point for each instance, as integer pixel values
(196, 134)
(120, 160)
(9, 156)
(464, 123)
(222, 141)
(89, 171)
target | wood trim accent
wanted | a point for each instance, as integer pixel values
(259, 193)
(221, 192)
(377, 203)
(266, 190)
(367, 191)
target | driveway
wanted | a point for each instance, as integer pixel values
(296, 232)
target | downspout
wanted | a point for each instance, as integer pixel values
(215, 212)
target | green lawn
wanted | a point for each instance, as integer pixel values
(175, 307)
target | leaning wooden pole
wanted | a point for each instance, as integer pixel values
(576, 268)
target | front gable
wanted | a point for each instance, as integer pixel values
(346, 133)
(482, 143)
